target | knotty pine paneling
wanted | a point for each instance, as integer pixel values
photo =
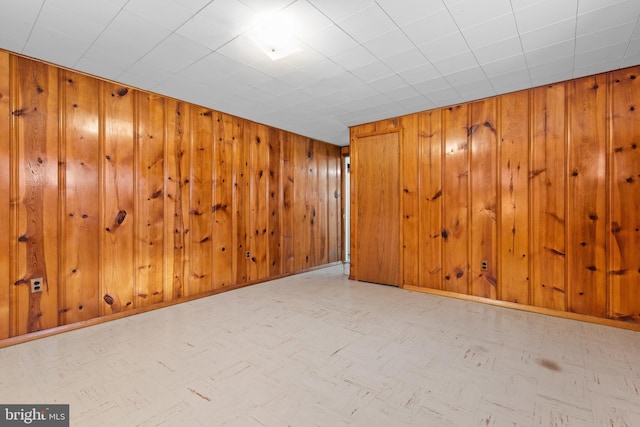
(36, 191)
(430, 200)
(122, 199)
(543, 184)
(513, 196)
(624, 206)
(5, 191)
(80, 182)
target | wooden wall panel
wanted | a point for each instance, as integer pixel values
(513, 196)
(586, 211)
(201, 203)
(540, 183)
(223, 250)
(5, 191)
(80, 185)
(430, 208)
(624, 237)
(149, 215)
(122, 199)
(410, 200)
(117, 251)
(259, 203)
(547, 182)
(302, 154)
(274, 183)
(37, 206)
(241, 200)
(321, 210)
(455, 233)
(176, 202)
(483, 203)
(287, 213)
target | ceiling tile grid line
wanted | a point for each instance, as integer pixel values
(355, 61)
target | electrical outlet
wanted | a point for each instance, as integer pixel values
(484, 265)
(36, 284)
(248, 254)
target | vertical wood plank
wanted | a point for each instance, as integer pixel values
(288, 198)
(117, 249)
(547, 186)
(258, 212)
(410, 195)
(80, 232)
(624, 236)
(301, 211)
(483, 140)
(150, 206)
(514, 197)
(241, 199)
(176, 202)
(455, 233)
(586, 210)
(333, 194)
(223, 252)
(430, 207)
(36, 124)
(5, 191)
(201, 202)
(311, 203)
(321, 220)
(275, 183)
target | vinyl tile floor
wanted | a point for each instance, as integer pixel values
(316, 349)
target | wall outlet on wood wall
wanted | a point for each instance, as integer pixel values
(36, 284)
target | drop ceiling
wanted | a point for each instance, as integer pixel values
(360, 60)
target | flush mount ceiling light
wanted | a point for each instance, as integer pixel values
(274, 36)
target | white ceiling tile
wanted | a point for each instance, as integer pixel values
(372, 71)
(323, 69)
(98, 12)
(330, 41)
(388, 83)
(213, 64)
(242, 49)
(562, 67)
(175, 53)
(432, 85)
(634, 48)
(489, 32)
(166, 13)
(544, 13)
(548, 36)
(610, 36)
(630, 60)
(551, 53)
(420, 73)
(275, 86)
(463, 61)
(402, 93)
(599, 55)
(585, 6)
(406, 11)
(266, 7)
(476, 94)
(619, 13)
(230, 17)
(100, 66)
(24, 15)
(446, 47)
(367, 24)
(354, 57)
(389, 44)
(338, 10)
(10, 42)
(58, 20)
(431, 28)
(144, 75)
(496, 51)
(470, 75)
(305, 18)
(55, 47)
(518, 78)
(468, 13)
(595, 68)
(341, 82)
(447, 96)
(509, 64)
(406, 60)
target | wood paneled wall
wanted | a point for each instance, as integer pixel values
(542, 186)
(121, 199)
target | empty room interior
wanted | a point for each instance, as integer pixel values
(321, 212)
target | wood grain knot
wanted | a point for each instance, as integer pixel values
(120, 216)
(108, 299)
